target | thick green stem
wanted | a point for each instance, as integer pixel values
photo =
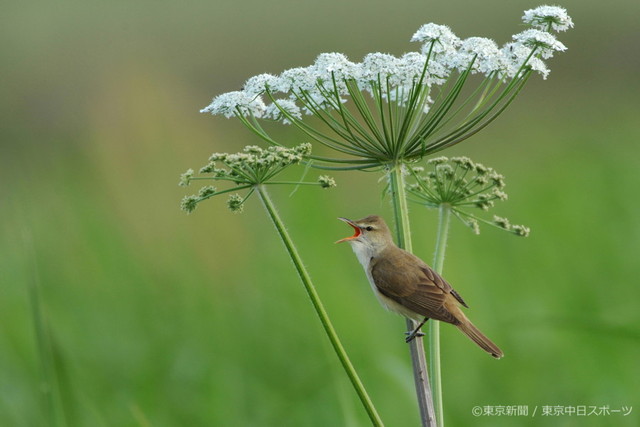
(434, 327)
(319, 308)
(418, 357)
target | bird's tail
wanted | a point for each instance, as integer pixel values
(478, 337)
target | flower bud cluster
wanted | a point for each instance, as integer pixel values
(254, 164)
(461, 183)
(251, 167)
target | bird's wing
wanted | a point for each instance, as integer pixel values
(441, 283)
(421, 291)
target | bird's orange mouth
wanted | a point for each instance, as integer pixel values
(357, 233)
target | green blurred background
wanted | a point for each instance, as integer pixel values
(151, 317)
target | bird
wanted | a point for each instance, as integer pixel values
(406, 285)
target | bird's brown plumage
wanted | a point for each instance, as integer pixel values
(420, 289)
(406, 284)
(423, 291)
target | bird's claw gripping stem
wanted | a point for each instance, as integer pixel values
(412, 335)
(416, 332)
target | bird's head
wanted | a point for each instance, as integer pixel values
(371, 232)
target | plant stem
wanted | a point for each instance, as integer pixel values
(418, 357)
(50, 386)
(319, 308)
(444, 215)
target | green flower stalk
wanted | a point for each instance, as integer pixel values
(421, 375)
(254, 170)
(453, 186)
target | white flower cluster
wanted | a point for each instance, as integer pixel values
(437, 39)
(326, 181)
(548, 18)
(481, 54)
(545, 42)
(332, 78)
(516, 54)
(231, 104)
(462, 183)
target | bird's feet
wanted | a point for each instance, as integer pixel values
(412, 335)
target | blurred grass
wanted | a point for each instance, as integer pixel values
(161, 319)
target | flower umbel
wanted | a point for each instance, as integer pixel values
(185, 178)
(462, 184)
(418, 108)
(234, 104)
(326, 181)
(235, 202)
(252, 167)
(545, 43)
(548, 18)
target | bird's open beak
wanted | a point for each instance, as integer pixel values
(355, 227)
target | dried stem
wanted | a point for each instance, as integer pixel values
(418, 357)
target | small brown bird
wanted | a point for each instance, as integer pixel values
(406, 285)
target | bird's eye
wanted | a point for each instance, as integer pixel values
(369, 228)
